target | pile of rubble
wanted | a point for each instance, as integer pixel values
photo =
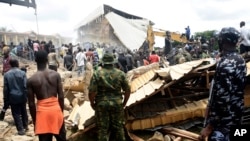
(165, 103)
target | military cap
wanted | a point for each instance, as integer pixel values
(108, 59)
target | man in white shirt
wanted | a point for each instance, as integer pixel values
(244, 40)
(80, 59)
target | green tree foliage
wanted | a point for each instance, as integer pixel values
(176, 44)
(208, 34)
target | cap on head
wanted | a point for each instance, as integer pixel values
(242, 23)
(229, 35)
(108, 58)
(204, 46)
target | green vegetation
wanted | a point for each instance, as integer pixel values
(208, 34)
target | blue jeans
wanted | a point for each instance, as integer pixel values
(80, 70)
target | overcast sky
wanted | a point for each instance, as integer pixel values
(61, 16)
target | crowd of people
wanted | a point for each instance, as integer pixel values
(109, 89)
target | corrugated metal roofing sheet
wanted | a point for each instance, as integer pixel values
(102, 10)
(144, 91)
(131, 32)
(147, 114)
(191, 110)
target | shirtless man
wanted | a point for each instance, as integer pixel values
(47, 114)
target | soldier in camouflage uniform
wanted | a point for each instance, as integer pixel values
(204, 53)
(226, 103)
(105, 95)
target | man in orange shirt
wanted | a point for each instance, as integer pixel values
(154, 57)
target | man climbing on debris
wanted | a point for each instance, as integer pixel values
(226, 102)
(47, 114)
(105, 95)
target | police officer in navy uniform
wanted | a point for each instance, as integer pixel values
(225, 106)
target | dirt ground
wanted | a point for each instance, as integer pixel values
(8, 130)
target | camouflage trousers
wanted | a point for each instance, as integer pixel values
(218, 136)
(110, 120)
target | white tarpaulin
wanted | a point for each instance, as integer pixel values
(131, 32)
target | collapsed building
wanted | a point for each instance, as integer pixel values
(163, 98)
(173, 96)
(108, 26)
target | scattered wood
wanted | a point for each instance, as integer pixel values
(181, 133)
(80, 132)
(134, 137)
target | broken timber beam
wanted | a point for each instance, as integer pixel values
(181, 133)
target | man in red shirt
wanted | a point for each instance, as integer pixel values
(154, 57)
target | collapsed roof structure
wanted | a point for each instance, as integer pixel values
(160, 96)
(114, 27)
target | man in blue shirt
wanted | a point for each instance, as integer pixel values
(187, 32)
(15, 94)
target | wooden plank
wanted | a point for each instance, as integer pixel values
(182, 133)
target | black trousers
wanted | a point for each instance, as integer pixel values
(129, 68)
(69, 67)
(48, 137)
(20, 116)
